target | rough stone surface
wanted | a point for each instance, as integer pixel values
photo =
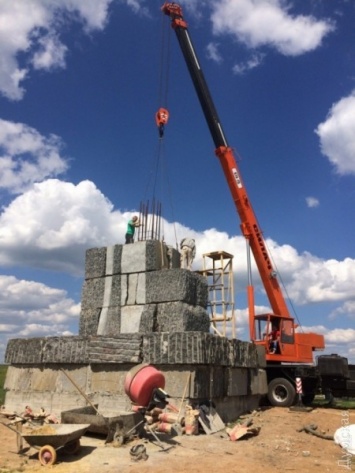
(133, 289)
(92, 296)
(181, 317)
(197, 348)
(121, 349)
(143, 256)
(174, 285)
(46, 350)
(104, 261)
(95, 263)
(237, 381)
(173, 257)
(89, 321)
(111, 327)
(131, 316)
(148, 321)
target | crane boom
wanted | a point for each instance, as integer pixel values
(292, 346)
(249, 224)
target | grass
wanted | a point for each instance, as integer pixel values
(3, 370)
(345, 403)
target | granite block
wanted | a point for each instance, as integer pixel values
(171, 285)
(89, 321)
(95, 263)
(109, 321)
(100, 262)
(181, 317)
(134, 258)
(131, 318)
(148, 321)
(93, 293)
(121, 349)
(101, 292)
(46, 350)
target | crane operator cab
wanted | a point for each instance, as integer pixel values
(276, 333)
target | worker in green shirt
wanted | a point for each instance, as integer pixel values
(131, 228)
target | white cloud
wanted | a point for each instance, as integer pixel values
(347, 309)
(138, 7)
(213, 53)
(51, 225)
(337, 340)
(32, 27)
(337, 137)
(255, 61)
(51, 54)
(32, 309)
(340, 335)
(27, 156)
(269, 23)
(318, 280)
(312, 202)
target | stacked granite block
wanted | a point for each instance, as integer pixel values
(140, 288)
(176, 348)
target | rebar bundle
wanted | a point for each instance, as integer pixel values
(150, 218)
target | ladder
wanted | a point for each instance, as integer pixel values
(218, 270)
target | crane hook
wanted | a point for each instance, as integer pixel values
(161, 119)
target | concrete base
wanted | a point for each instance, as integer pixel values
(230, 389)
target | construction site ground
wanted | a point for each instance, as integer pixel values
(279, 447)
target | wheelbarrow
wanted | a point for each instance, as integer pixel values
(51, 437)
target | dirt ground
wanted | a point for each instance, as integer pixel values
(278, 447)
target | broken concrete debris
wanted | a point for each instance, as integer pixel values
(312, 429)
(242, 430)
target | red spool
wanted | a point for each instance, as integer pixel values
(140, 383)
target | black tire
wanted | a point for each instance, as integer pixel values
(72, 447)
(281, 393)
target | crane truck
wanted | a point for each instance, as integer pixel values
(293, 355)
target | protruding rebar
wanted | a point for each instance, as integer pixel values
(150, 216)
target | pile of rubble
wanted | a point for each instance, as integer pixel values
(28, 415)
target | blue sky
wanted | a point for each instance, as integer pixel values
(79, 88)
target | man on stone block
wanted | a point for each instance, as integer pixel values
(131, 228)
(188, 251)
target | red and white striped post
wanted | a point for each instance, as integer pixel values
(299, 390)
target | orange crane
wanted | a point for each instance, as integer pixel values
(292, 347)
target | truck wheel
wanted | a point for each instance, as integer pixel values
(281, 392)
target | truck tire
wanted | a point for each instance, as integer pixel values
(281, 392)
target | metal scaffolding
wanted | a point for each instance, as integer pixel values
(218, 269)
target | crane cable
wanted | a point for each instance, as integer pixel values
(284, 286)
(161, 118)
